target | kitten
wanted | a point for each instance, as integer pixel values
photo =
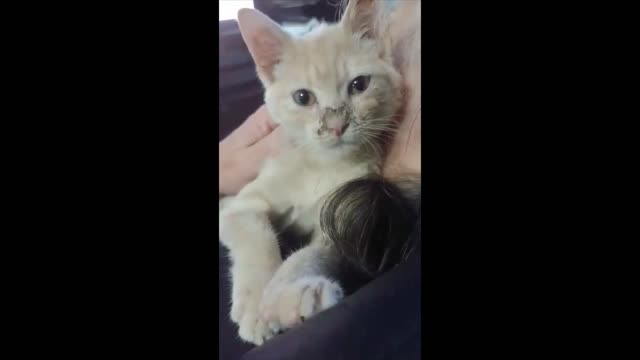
(334, 92)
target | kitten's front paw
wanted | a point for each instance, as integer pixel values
(254, 329)
(244, 312)
(285, 305)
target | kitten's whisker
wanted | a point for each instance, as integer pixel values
(379, 127)
(381, 131)
(384, 118)
(379, 135)
(380, 124)
(381, 139)
(373, 146)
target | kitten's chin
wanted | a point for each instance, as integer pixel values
(337, 144)
(341, 149)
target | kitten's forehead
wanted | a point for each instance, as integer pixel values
(326, 56)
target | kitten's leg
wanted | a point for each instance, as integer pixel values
(245, 230)
(301, 288)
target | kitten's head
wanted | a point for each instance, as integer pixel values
(333, 88)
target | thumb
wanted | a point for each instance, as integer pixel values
(269, 145)
(257, 126)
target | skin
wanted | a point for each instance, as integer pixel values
(244, 151)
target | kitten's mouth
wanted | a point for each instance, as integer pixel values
(332, 132)
(333, 138)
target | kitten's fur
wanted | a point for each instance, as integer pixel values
(268, 294)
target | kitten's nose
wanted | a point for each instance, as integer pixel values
(334, 121)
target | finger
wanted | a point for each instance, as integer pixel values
(257, 126)
(248, 161)
(269, 145)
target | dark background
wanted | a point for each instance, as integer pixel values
(115, 200)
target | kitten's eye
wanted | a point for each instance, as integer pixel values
(359, 84)
(304, 97)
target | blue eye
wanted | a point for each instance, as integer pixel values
(303, 97)
(359, 84)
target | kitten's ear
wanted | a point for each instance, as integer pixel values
(361, 17)
(265, 40)
(369, 20)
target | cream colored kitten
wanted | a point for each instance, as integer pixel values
(334, 92)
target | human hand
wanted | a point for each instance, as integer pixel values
(242, 153)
